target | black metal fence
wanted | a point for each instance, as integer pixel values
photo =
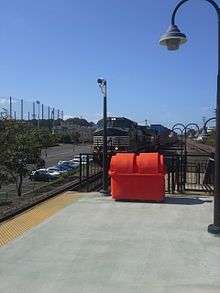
(184, 172)
(90, 171)
(189, 173)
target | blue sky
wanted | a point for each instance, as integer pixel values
(54, 50)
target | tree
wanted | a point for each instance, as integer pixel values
(46, 139)
(211, 138)
(66, 138)
(19, 148)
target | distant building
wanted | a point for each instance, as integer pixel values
(83, 134)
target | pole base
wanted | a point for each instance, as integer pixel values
(213, 229)
(104, 192)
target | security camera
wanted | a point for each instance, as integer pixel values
(101, 81)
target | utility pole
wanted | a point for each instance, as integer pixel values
(10, 107)
(48, 113)
(38, 114)
(42, 111)
(53, 115)
(34, 114)
(22, 109)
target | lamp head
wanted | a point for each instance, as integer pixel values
(173, 38)
(101, 81)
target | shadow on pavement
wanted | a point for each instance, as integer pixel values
(185, 200)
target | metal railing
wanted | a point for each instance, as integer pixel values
(193, 173)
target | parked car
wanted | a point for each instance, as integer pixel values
(57, 169)
(44, 175)
(68, 164)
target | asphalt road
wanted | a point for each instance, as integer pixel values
(64, 152)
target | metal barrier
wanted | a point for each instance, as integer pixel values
(193, 173)
(88, 169)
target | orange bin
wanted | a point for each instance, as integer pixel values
(138, 177)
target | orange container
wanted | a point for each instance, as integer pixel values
(138, 177)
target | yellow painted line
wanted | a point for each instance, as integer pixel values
(17, 226)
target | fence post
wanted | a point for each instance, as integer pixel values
(80, 169)
(199, 170)
(172, 174)
(87, 172)
(168, 181)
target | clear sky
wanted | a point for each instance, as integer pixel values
(54, 50)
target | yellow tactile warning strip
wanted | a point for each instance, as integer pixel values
(15, 227)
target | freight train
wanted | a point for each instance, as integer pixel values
(125, 135)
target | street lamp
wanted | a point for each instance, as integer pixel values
(173, 39)
(103, 86)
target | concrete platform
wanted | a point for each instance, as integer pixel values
(98, 245)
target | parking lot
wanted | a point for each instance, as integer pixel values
(64, 152)
(51, 156)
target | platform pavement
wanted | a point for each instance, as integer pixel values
(96, 245)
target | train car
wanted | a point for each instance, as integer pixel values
(163, 136)
(117, 139)
(123, 135)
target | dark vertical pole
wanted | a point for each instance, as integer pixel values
(48, 117)
(105, 150)
(15, 115)
(80, 169)
(42, 111)
(87, 172)
(28, 116)
(168, 181)
(58, 114)
(62, 114)
(185, 159)
(173, 178)
(34, 115)
(53, 115)
(10, 107)
(22, 109)
(215, 227)
(182, 164)
(48, 112)
(38, 114)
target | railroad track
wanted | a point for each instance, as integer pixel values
(201, 148)
(89, 184)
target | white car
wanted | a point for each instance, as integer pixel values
(44, 175)
(55, 169)
(69, 164)
(76, 159)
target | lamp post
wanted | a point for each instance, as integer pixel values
(103, 86)
(173, 39)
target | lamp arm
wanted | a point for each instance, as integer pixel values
(212, 2)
